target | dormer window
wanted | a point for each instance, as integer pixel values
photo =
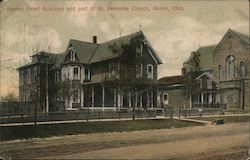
(71, 55)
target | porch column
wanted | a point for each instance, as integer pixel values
(119, 99)
(103, 97)
(129, 100)
(93, 97)
(190, 102)
(148, 100)
(82, 97)
(210, 99)
(136, 97)
(202, 99)
(140, 95)
(115, 98)
(152, 99)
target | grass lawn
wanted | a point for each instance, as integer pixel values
(26, 132)
(227, 119)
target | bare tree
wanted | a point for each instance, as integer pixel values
(124, 74)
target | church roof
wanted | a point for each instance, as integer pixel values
(242, 36)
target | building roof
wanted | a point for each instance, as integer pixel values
(242, 36)
(205, 56)
(84, 50)
(91, 53)
(104, 52)
(209, 76)
(171, 80)
(206, 52)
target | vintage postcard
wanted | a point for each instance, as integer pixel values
(124, 79)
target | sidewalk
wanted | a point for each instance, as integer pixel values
(123, 119)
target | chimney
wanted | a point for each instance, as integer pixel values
(95, 39)
(183, 71)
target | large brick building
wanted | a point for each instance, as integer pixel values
(90, 67)
(226, 64)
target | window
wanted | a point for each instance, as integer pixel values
(34, 75)
(242, 70)
(230, 61)
(111, 70)
(165, 98)
(209, 84)
(29, 75)
(75, 73)
(139, 69)
(76, 96)
(220, 74)
(64, 73)
(150, 73)
(200, 81)
(87, 73)
(21, 77)
(57, 76)
(71, 56)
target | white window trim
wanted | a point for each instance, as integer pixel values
(78, 73)
(150, 75)
(139, 49)
(228, 63)
(139, 75)
(87, 76)
(163, 99)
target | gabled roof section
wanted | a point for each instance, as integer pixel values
(209, 76)
(172, 80)
(242, 36)
(103, 52)
(84, 50)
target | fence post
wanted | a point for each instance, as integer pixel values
(171, 113)
(22, 118)
(51, 118)
(179, 112)
(185, 113)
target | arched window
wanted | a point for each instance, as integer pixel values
(220, 74)
(242, 70)
(230, 63)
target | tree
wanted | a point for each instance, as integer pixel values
(63, 90)
(192, 86)
(10, 97)
(125, 72)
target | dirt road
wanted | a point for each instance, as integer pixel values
(228, 141)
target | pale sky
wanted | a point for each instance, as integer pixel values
(175, 31)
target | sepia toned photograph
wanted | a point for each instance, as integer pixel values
(125, 79)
